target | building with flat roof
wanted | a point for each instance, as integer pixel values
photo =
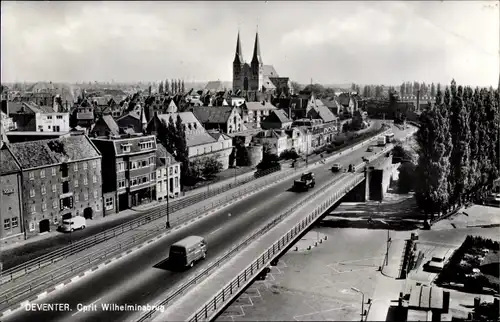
(130, 176)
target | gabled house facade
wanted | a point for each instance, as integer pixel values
(277, 119)
(227, 119)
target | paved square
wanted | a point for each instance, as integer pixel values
(316, 284)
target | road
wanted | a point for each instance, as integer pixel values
(142, 278)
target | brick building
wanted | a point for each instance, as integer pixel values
(168, 174)
(130, 176)
(10, 197)
(61, 178)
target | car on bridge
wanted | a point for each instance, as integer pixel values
(352, 168)
(336, 167)
(370, 149)
(306, 181)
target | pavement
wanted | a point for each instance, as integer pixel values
(474, 216)
(146, 277)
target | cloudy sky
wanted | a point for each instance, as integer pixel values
(330, 42)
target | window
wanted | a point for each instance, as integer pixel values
(53, 171)
(49, 117)
(176, 168)
(152, 176)
(94, 178)
(32, 193)
(86, 196)
(126, 147)
(15, 222)
(44, 206)
(176, 182)
(85, 165)
(32, 226)
(76, 183)
(56, 128)
(32, 176)
(94, 164)
(59, 117)
(97, 206)
(144, 163)
(133, 182)
(121, 183)
(95, 194)
(77, 197)
(33, 209)
(6, 223)
(144, 179)
(120, 166)
(109, 203)
(42, 173)
(85, 181)
(54, 204)
(170, 172)
(43, 190)
(75, 167)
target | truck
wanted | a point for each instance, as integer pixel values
(381, 140)
(305, 182)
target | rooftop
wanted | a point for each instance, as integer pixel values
(42, 153)
(217, 114)
(7, 164)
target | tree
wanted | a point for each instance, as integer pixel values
(366, 91)
(183, 88)
(174, 87)
(378, 91)
(402, 89)
(406, 180)
(166, 87)
(459, 126)
(433, 90)
(181, 147)
(296, 87)
(160, 88)
(316, 89)
(399, 152)
(242, 157)
(353, 87)
(211, 166)
(269, 161)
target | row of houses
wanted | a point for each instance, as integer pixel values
(46, 181)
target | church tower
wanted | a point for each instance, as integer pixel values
(257, 78)
(238, 66)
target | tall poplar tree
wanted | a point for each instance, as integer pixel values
(459, 125)
(160, 88)
(167, 87)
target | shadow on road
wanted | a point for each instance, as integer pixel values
(167, 265)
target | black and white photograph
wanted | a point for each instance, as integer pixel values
(230, 161)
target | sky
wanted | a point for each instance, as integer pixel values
(328, 42)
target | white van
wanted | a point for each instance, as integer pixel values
(187, 251)
(74, 223)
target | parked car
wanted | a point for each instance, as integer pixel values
(370, 149)
(72, 224)
(435, 265)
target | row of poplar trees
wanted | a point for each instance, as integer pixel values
(173, 87)
(459, 145)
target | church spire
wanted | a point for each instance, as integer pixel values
(256, 50)
(238, 54)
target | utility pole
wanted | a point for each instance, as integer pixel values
(167, 224)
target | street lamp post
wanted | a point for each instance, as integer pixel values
(362, 301)
(167, 224)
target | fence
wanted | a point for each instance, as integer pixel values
(233, 288)
(60, 274)
(221, 260)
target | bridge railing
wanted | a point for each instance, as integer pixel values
(250, 273)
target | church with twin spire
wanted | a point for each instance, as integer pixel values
(256, 80)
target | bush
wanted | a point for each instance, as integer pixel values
(406, 182)
(289, 155)
(269, 160)
(242, 157)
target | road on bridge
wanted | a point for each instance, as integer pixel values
(142, 278)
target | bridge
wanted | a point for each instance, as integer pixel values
(240, 266)
(141, 276)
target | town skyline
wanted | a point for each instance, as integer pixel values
(125, 42)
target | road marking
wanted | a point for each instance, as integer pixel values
(216, 230)
(252, 210)
(87, 306)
